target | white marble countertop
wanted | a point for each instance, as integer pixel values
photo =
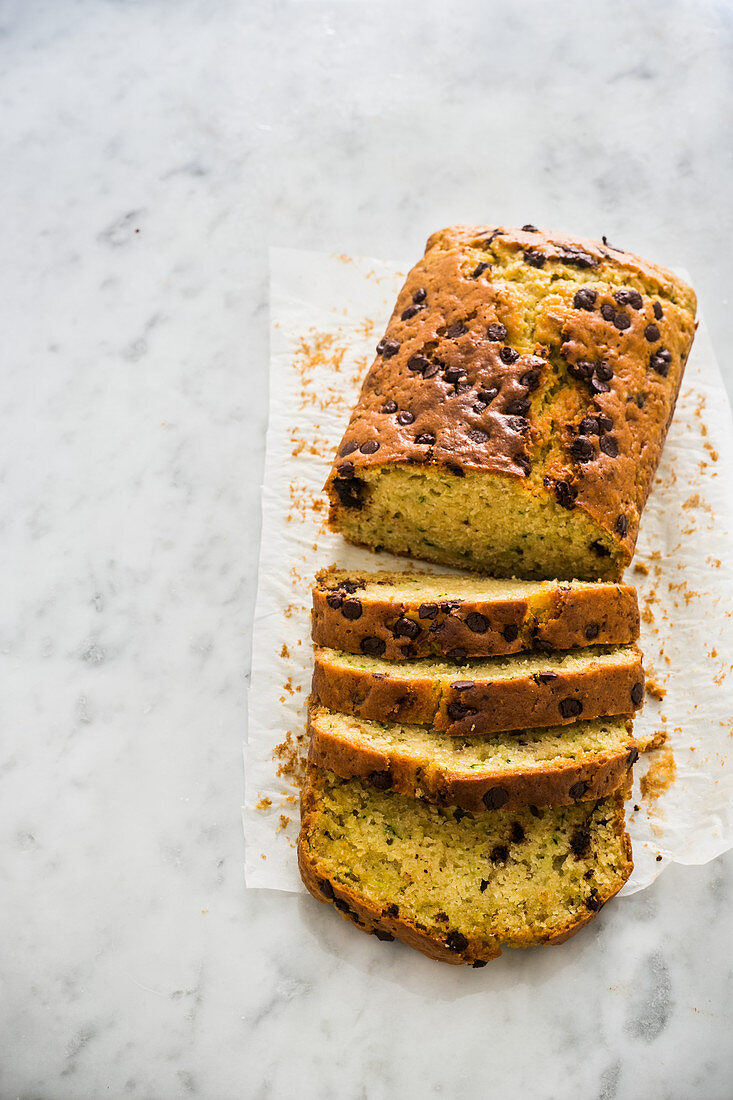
(152, 151)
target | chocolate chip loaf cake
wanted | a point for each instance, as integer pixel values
(486, 695)
(456, 885)
(545, 767)
(516, 411)
(403, 615)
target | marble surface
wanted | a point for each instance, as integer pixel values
(152, 152)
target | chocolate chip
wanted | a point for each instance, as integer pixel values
(581, 449)
(457, 711)
(592, 631)
(585, 298)
(348, 448)
(405, 417)
(427, 439)
(431, 370)
(637, 693)
(346, 469)
(418, 363)
(631, 298)
(477, 435)
(497, 331)
(449, 605)
(535, 259)
(351, 609)
(428, 611)
(593, 902)
(381, 780)
(657, 311)
(383, 935)
(573, 255)
(334, 601)
(604, 423)
(390, 348)
(589, 426)
(529, 228)
(483, 885)
(480, 268)
(495, 798)
(463, 685)
(420, 294)
(598, 386)
(459, 813)
(499, 853)
(632, 756)
(380, 345)
(607, 311)
(579, 838)
(342, 905)
(652, 334)
(518, 833)
(565, 494)
(478, 963)
(410, 312)
(609, 446)
(455, 330)
(452, 374)
(510, 632)
(570, 708)
(349, 490)
(578, 789)
(372, 647)
(456, 941)
(519, 407)
(508, 355)
(622, 526)
(661, 362)
(517, 423)
(392, 911)
(457, 654)
(455, 469)
(544, 677)
(477, 623)
(535, 812)
(370, 447)
(582, 370)
(406, 628)
(389, 407)
(487, 396)
(326, 888)
(599, 549)
(522, 461)
(604, 372)
(530, 379)
(463, 387)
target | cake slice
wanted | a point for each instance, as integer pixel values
(455, 885)
(399, 615)
(545, 767)
(515, 413)
(483, 696)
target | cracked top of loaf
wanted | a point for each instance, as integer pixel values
(532, 356)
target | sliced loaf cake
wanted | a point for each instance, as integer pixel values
(403, 615)
(457, 885)
(483, 696)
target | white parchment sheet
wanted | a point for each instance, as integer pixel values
(327, 313)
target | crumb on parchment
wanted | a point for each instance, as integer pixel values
(660, 777)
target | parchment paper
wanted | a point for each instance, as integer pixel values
(327, 313)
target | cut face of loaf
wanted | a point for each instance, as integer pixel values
(547, 767)
(456, 885)
(516, 411)
(483, 696)
(403, 615)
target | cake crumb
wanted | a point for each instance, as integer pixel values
(641, 567)
(654, 688)
(284, 652)
(284, 822)
(660, 777)
(264, 804)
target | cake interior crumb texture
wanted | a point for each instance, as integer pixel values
(490, 878)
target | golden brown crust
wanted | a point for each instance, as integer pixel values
(390, 923)
(481, 705)
(618, 353)
(557, 616)
(556, 784)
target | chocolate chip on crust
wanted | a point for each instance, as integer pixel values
(383, 935)
(480, 268)
(372, 647)
(456, 941)
(463, 685)
(334, 600)
(581, 449)
(420, 294)
(530, 380)
(497, 331)
(370, 447)
(632, 756)
(389, 407)
(427, 439)
(478, 435)
(411, 311)
(622, 526)
(428, 611)
(351, 609)
(477, 623)
(522, 461)
(607, 311)
(405, 417)
(508, 355)
(544, 677)
(392, 911)
(661, 362)
(578, 789)
(478, 963)
(529, 228)
(658, 311)
(637, 693)
(631, 298)
(592, 631)
(495, 798)
(593, 902)
(418, 363)
(487, 396)
(390, 348)
(585, 298)
(381, 780)
(518, 407)
(406, 628)
(457, 711)
(570, 708)
(455, 330)
(652, 334)
(326, 888)
(348, 448)
(609, 446)
(534, 259)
